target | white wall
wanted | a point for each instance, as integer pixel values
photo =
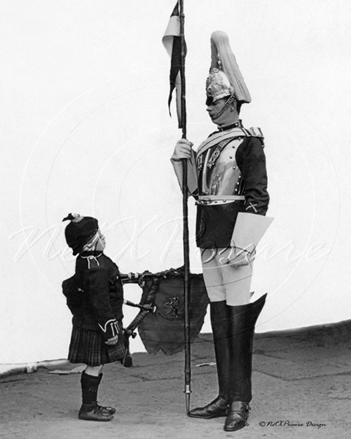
(85, 128)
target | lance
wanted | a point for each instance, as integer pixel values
(187, 367)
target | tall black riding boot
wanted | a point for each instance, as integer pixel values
(90, 409)
(220, 322)
(243, 321)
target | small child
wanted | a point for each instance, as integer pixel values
(97, 334)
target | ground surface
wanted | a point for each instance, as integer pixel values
(301, 383)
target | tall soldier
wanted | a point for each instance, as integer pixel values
(227, 176)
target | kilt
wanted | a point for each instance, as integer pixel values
(88, 347)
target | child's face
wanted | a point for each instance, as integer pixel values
(101, 242)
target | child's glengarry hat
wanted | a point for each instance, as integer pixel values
(79, 231)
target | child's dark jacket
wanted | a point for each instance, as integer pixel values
(98, 280)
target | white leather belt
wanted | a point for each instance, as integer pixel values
(217, 199)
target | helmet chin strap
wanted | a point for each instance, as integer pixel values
(229, 101)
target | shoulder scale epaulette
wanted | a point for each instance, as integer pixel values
(253, 131)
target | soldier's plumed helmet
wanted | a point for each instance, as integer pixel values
(225, 78)
(79, 231)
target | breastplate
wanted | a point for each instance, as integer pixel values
(220, 172)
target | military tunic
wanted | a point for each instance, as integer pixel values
(227, 175)
(231, 178)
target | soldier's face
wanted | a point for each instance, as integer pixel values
(219, 114)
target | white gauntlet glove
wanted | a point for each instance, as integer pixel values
(182, 150)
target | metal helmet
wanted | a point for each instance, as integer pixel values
(217, 86)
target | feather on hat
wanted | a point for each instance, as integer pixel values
(225, 77)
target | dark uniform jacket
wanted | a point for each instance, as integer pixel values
(101, 294)
(229, 163)
(215, 222)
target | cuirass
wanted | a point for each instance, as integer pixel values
(220, 173)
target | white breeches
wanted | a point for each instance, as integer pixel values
(224, 282)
